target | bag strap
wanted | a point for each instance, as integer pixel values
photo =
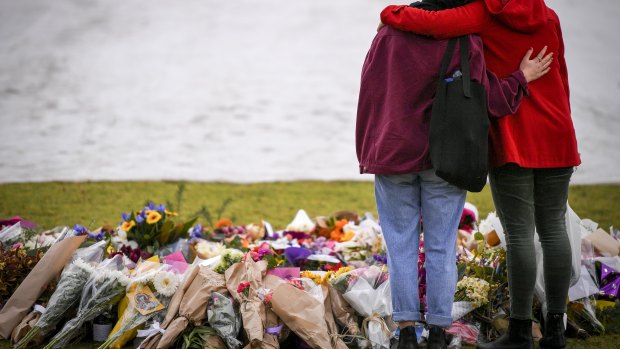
(447, 57)
(464, 48)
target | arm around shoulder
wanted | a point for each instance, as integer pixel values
(458, 21)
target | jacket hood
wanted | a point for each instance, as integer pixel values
(521, 15)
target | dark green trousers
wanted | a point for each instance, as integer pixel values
(528, 199)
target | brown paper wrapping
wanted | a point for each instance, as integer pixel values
(302, 313)
(330, 322)
(252, 308)
(24, 326)
(193, 305)
(344, 314)
(48, 268)
(603, 244)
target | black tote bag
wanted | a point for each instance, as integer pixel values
(459, 127)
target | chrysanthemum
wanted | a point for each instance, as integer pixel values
(166, 283)
(153, 217)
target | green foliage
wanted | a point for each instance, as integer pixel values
(610, 318)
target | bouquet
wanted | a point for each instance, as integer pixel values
(104, 288)
(42, 275)
(68, 290)
(223, 318)
(471, 293)
(149, 292)
(229, 257)
(187, 307)
(152, 228)
(15, 264)
(368, 291)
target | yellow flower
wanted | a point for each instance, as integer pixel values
(152, 217)
(128, 225)
(170, 213)
(312, 276)
(342, 271)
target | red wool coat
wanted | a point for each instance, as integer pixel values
(541, 133)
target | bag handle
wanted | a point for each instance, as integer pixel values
(464, 47)
(464, 53)
(447, 57)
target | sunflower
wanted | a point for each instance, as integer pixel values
(170, 213)
(126, 226)
(152, 217)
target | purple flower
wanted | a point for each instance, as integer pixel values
(125, 216)
(380, 258)
(151, 206)
(161, 208)
(80, 230)
(196, 232)
(139, 219)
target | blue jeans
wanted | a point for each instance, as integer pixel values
(400, 201)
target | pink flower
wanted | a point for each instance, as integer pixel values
(244, 288)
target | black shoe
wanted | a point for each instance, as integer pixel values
(554, 332)
(408, 338)
(437, 338)
(518, 336)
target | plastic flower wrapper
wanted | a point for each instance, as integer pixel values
(148, 293)
(223, 318)
(360, 241)
(471, 293)
(367, 290)
(301, 223)
(105, 287)
(188, 306)
(68, 291)
(11, 234)
(44, 272)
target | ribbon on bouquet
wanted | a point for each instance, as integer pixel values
(39, 308)
(274, 330)
(375, 317)
(153, 329)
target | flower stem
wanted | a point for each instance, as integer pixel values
(27, 338)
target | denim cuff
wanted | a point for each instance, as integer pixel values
(439, 320)
(400, 316)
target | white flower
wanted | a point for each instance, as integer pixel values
(166, 283)
(83, 265)
(207, 249)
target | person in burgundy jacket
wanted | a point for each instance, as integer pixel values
(533, 152)
(399, 79)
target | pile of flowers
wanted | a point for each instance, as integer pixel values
(319, 282)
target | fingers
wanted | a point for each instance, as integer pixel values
(541, 54)
(528, 55)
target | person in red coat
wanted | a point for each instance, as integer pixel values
(532, 153)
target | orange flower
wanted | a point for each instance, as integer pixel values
(337, 233)
(223, 222)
